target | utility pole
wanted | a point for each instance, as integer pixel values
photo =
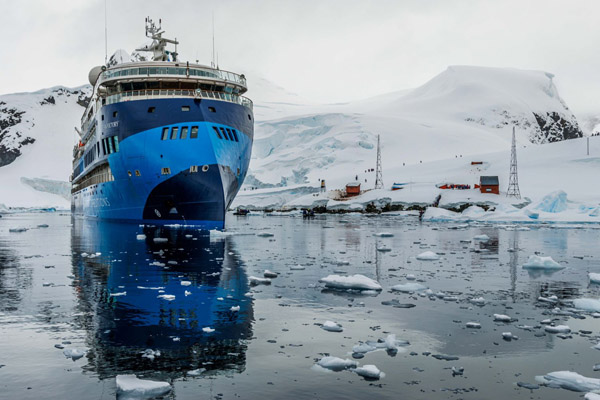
(378, 175)
(513, 180)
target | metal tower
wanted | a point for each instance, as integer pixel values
(513, 180)
(378, 176)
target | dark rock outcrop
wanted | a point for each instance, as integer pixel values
(553, 128)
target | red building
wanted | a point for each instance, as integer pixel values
(353, 189)
(489, 184)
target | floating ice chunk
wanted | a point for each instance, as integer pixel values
(207, 329)
(591, 396)
(369, 372)
(410, 277)
(160, 240)
(531, 214)
(587, 304)
(336, 364)
(264, 234)
(151, 288)
(141, 237)
(235, 309)
(554, 202)
(483, 238)
(391, 342)
(196, 372)
(478, 301)
(150, 354)
(508, 336)
(132, 386)
(384, 234)
(502, 318)
(270, 274)
(457, 371)
(185, 283)
(331, 326)
(363, 348)
(254, 281)
(428, 256)
(73, 353)
(342, 262)
(355, 282)
(551, 299)
(408, 287)
(570, 381)
(558, 329)
(383, 249)
(84, 254)
(537, 262)
(187, 293)
(297, 267)
(168, 297)
(473, 325)
(596, 347)
(594, 278)
(118, 294)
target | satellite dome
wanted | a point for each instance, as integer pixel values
(95, 74)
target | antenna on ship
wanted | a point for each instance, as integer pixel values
(105, 35)
(378, 174)
(159, 43)
(513, 180)
(213, 39)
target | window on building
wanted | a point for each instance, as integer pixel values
(184, 132)
(165, 134)
(217, 131)
(224, 134)
(194, 132)
(185, 108)
(174, 132)
(166, 171)
(212, 109)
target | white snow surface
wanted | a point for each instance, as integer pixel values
(355, 282)
(132, 386)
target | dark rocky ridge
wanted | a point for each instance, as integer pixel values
(554, 128)
(10, 117)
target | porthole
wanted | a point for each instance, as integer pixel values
(204, 168)
(137, 172)
(129, 173)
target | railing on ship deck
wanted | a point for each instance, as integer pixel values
(172, 93)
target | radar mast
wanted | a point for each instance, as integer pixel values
(159, 44)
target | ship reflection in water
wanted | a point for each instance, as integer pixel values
(163, 293)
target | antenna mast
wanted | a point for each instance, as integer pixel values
(378, 174)
(213, 39)
(513, 181)
(105, 36)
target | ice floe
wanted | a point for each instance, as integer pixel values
(270, 274)
(482, 238)
(264, 234)
(473, 325)
(537, 262)
(558, 329)
(428, 256)
(384, 234)
(168, 297)
(255, 281)
(369, 372)
(132, 386)
(73, 353)
(355, 282)
(594, 278)
(502, 318)
(587, 304)
(336, 364)
(331, 326)
(408, 287)
(207, 329)
(569, 380)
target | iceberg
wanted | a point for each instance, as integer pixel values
(554, 202)
(569, 380)
(587, 304)
(537, 262)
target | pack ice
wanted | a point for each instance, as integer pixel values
(132, 386)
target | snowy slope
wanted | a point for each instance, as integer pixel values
(37, 146)
(462, 111)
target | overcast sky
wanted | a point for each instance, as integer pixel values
(325, 50)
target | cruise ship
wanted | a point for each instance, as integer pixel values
(162, 141)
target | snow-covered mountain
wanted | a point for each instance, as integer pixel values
(460, 112)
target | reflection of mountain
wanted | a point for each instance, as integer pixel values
(13, 278)
(118, 294)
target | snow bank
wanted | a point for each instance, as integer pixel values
(587, 304)
(428, 256)
(355, 282)
(570, 381)
(132, 386)
(537, 262)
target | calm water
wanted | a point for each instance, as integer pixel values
(117, 304)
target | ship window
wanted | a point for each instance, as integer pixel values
(235, 135)
(151, 109)
(110, 146)
(184, 132)
(224, 134)
(137, 172)
(185, 108)
(103, 147)
(152, 70)
(166, 171)
(143, 71)
(212, 109)
(194, 132)
(129, 173)
(172, 71)
(116, 143)
(174, 132)
(230, 134)
(102, 117)
(162, 70)
(193, 169)
(115, 113)
(165, 134)
(217, 131)
(249, 117)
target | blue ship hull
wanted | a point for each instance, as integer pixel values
(141, 190)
